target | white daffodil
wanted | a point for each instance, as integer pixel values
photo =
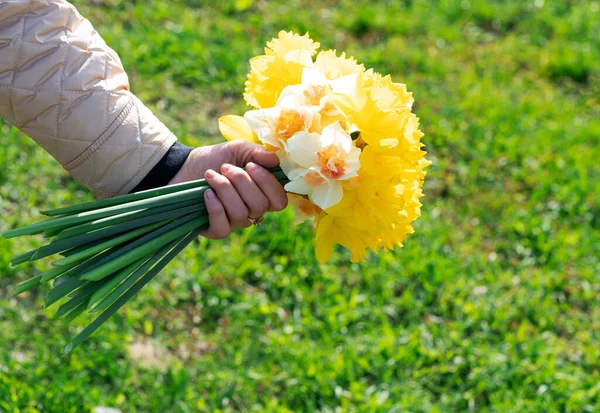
(304, 209)
(323, 161)
(274, 126)
(315, 90)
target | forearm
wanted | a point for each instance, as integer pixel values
(64, 87)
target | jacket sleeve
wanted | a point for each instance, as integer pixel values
(65, 88)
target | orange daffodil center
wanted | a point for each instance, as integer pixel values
(289, 122)
(331, 162)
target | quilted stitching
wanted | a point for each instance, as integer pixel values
(63, 86)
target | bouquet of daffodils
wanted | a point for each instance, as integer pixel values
(350, 158)
(346, 139)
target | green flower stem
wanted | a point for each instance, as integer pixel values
(70, 220)
(110, 243)
(116, 252)
(86, 240)
(28, 284)
(122, 199)
(115, 280)
(62, 289)
(86, 332)
(122, 218)
(147, 248)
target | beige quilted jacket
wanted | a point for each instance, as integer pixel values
(63, 86)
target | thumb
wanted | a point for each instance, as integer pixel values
(253, 152)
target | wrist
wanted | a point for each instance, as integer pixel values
(187, 171)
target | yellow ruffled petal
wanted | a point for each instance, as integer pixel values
(282, 64)
(293, 47)
(269, 75)
(333, 66)
(234, 127)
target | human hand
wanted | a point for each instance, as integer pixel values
(238, 194)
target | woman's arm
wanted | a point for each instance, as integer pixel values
(64, 87)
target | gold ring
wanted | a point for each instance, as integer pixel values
(256, 221)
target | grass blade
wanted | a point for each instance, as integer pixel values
(86, 332)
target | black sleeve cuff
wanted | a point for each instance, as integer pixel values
(166, 168)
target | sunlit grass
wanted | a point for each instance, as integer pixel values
(491, 305)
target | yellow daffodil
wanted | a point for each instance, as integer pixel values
(378, 108)
(282, 64)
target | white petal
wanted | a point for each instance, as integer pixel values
(334, 134)
(327, 195)
(258, 120)
(344, 84)
(308, 113)
(313, 77)
(296, 173)
(292, 90)
(298, 186)
(297, 201)
(303, 148)
(289, 102)
(255, 119)
(353, 159)
(326, 102)
(286, 163)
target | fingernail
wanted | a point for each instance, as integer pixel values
(210, 194)
(251, 166)
(225, 167)
(210, 173)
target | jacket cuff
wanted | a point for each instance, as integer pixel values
(166, 168)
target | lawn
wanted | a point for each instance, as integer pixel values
(491, 306)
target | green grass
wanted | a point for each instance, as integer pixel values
(492, 306)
